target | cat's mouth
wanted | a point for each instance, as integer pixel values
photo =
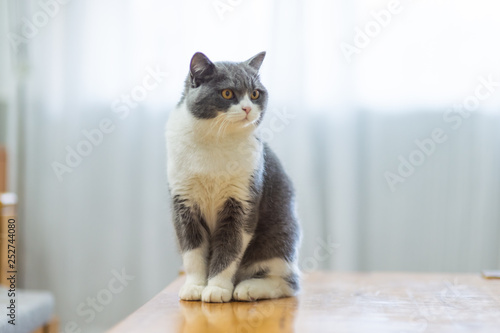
(247, 121)
(242, 120)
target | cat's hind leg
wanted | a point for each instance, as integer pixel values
(274, 278)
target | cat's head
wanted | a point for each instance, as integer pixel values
(228, 94)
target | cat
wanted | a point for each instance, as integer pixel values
(233, 205)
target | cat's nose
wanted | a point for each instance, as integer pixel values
(247, 109)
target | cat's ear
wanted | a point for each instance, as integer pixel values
(201, 67)
(256, 61)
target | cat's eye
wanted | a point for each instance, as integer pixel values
(227, 93)
(255, 94)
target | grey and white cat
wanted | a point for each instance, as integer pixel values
(234, 210)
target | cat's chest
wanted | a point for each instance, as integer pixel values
(220, 160)
(210, 173)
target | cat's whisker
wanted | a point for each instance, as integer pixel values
(228, 122)
(219, 125)
(220, 132)
(216, 121)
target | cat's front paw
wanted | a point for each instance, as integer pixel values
(216, 294)
(191, 292)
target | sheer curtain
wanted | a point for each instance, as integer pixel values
(108, 73)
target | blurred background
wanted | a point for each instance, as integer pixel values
(386, 115)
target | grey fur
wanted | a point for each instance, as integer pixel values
(263, 273)
(293, 281)
(277, 230)
(226, 240)
(190, 227)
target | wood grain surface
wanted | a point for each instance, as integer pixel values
(337, 302)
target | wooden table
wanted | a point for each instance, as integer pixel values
(337, 302)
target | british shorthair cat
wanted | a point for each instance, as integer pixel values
(233, 204)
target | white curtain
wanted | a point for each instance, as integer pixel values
(345, 120)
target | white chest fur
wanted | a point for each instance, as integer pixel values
(206, 166)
